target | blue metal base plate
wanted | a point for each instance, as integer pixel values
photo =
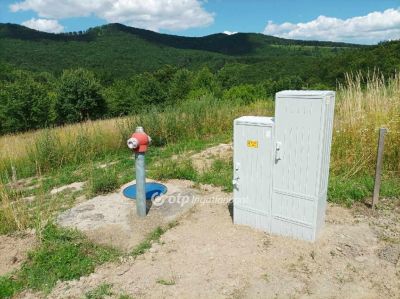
(152, 190)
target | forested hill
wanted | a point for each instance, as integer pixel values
(236, 44)
(113, 70)
(118, 51)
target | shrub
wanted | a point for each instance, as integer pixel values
(79, 97)
(244, 94)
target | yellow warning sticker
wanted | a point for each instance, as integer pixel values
(252, 143)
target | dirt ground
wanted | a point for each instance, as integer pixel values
(13, 250)
(203, 161)
(206, 256)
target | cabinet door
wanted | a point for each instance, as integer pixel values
(253, 161)
(298, 133)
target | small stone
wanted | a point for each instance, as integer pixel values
(156, 246)
(360, 259)
(123, 271)
(94, 276)
(339, 249)
(153, 250)
(29, 199)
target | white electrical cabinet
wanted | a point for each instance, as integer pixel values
(281, 165)
(252, 175)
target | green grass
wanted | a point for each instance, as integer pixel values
(9, 286)
(102, 291)
(341, 190)
(63, 254)
(165, 282)
(359, 188)
(154, 236)
(220, 174)
(103, 181)
(145, 245)
(173, 169)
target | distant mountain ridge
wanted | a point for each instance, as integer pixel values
(117, 51)
(235, 44)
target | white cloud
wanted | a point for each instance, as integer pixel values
(51, 26)
(372, 28)
(149, 14)
(227, 32)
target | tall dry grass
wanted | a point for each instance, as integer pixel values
(365, 104)
(49, 149)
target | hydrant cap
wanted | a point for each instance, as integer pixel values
(132, 143)
(143, 141)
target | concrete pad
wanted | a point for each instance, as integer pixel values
(111, 219)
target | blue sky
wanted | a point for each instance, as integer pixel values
(361, 21)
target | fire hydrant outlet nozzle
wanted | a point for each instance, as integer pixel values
(139, 141)
(132, 143)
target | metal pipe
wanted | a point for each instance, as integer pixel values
(140, 185)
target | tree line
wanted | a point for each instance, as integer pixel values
(30, 100)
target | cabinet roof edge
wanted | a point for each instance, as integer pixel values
(305, 93)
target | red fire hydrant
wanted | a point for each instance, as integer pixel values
(139, 142)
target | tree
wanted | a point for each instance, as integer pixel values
(147, 91)
(118, 97)
(79, 97)
(180, 86)
(230, 74)
(207, 81)
(244, 93)
(25, 104)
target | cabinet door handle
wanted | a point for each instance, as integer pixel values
(278, 151)
(235, 181)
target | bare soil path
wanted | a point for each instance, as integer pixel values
(206, 256)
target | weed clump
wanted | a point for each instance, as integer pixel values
(102, 291)
(103, 181)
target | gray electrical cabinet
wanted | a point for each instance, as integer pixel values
(252, 175)
(281, 165)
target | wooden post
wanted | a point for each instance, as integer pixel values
(379, 162)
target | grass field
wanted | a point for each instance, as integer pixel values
(59, 156)
(363, 105)
(68, 154)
